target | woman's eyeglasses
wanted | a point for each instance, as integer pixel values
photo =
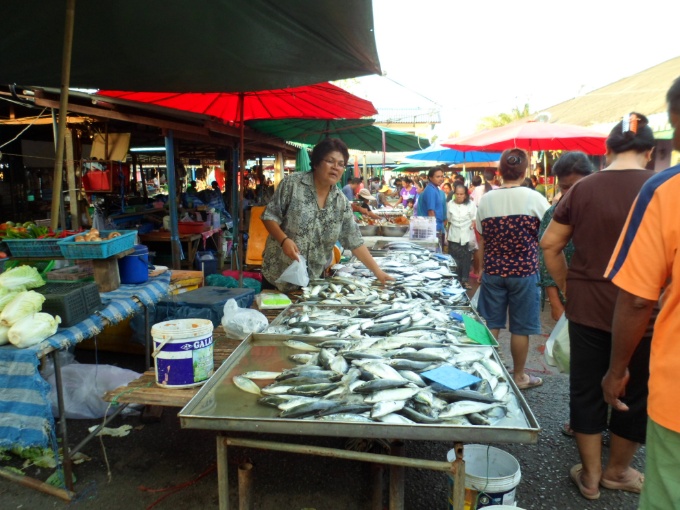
(332, 162)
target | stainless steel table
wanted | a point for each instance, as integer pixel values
(222, 407)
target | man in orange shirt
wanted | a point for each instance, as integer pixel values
(646, 267)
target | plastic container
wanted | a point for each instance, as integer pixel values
(191, 227)
(491, 477)
(206, 261)
(34, 247)
(134, 268)
(183, 352)
(70, 249)
(73, 302)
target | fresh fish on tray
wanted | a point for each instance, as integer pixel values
(371, 390)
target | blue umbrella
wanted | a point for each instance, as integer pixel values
(441, 154)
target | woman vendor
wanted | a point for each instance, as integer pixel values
(308, 214)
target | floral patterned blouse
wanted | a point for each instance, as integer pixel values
(314, 230)
(546, 279)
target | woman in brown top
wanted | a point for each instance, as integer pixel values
(593, 213)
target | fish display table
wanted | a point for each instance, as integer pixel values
(222, 406)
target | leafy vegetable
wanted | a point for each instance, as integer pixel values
(7, 295)
(33, 329)
(21, 277)
(4, 339)
(24, 304)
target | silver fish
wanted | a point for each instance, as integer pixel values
(386, 407)
(465, 407)
(245, 384)
(300, 346)
(260, 374)
(393, 394)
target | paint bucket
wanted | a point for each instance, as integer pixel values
(134, 268)
(183, 352)
(491, 477)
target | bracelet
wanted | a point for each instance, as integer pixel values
(284, 240)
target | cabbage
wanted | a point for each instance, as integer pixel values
(33, 329)
(7, 295)
(26, 277)
(4, 339)
(25, 303)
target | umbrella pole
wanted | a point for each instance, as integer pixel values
(175, 246)
(63, 106)
(242, 170)
(545, 172)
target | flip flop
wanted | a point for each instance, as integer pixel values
(533, 383)
(634, 485)
(575, 475)
(567, 430)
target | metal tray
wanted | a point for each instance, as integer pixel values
(220, 405)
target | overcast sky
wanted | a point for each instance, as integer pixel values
(483, 57)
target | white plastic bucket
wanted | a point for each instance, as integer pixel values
(183, 352)
(491, 477)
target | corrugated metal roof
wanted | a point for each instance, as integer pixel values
(643, 92)
(407, 116)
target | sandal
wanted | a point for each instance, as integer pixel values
(532, 383)
(567, 430)
(634, 485)
(575, 475)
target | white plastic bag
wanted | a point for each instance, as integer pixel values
(475, 298)
(238, 323)
(557, 349)
(85, 385)
(296, 273)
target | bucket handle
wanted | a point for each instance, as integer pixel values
(158, 349)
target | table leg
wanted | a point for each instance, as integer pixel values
(192, 247)
(147, 336)
(397, 477)
(222, 473)
(67, 465)
(458, 472)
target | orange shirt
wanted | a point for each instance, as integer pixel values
(645, 262)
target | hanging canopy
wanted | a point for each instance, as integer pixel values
(440, 154)
(320, 101)
(302, 162)
(533, 136)
(358, 134)
(202, 45)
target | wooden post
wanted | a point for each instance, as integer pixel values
(458, 472)
(71, 180)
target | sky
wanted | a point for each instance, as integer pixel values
(477, 58)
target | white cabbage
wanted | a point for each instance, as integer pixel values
(33, 329)
(7, 295)
(25, 303)
(21, 277)
(4, 339)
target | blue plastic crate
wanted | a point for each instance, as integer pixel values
(34, 247)
(71, 249)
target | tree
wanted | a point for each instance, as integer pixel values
(503, 119)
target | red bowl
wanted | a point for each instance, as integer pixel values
(191, 227)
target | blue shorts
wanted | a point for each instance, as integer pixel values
(518, 297)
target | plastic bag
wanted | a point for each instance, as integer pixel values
(296, 273)
(557, 349)
(475, 298)
(85, 385)
(238, 323)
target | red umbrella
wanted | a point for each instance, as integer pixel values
(321, 101)
(533, 136)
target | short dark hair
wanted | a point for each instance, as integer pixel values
(355, 180)
(631, 134)
(432, 171)
(325, 147)
(477, 180)
(673, 97)
(513, 164)
(574, 162)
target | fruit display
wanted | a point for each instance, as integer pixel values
(94, 236)
(29, 230)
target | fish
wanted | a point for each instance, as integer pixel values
(384, 408)
(301, 346)
(350, 417)
(301, 358)
(260, 374)
(461, 395)
(308, 408)
(392, 394)
(312, 389)
(465, 407)
(379, 384)
(396, 419)
(245, 384)
(381, 370)
(417, 416)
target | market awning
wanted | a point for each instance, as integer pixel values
(197, 46)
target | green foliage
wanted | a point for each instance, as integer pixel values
(502, 119)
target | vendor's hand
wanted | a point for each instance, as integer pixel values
(613, 387)
(382, 276)
(290, 249)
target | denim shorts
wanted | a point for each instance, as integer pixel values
(518, 297)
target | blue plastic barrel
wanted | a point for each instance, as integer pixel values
(134, 268)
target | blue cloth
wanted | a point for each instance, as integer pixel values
(25, 412)
(431, 199)
(348, 192)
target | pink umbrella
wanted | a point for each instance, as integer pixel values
(532, 136)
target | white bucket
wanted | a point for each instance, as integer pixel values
(183, 352)
(491, 477)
